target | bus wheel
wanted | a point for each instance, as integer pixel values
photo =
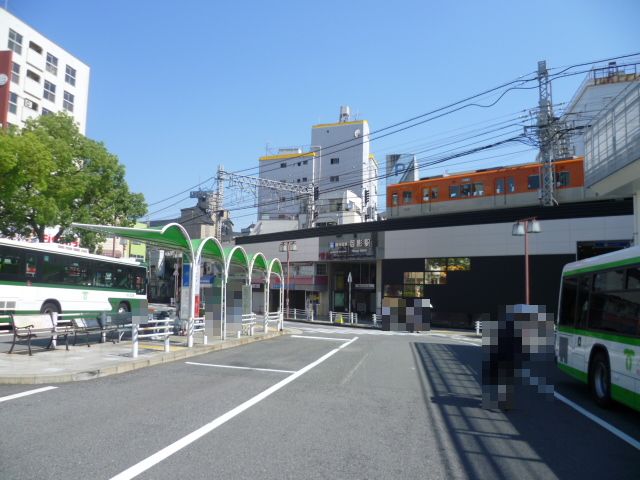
(123, 307)
(601, 380)
(49, 307)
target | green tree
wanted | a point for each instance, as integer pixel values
(51, 175)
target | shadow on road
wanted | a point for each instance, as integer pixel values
(539, 438)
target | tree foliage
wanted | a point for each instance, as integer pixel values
(51, 175)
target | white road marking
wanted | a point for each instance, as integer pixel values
(321, 338)
(240, 368)
(618, 433)
(185, 441)
(24, 394)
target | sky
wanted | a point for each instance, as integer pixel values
(178, 88)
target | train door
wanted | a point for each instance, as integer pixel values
(500, 192)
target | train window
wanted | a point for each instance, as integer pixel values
(434, 192)
(478, 189)
(533, 182)
(562, 179)
(394, 199)
(406, 197)
(511, 182)
(454, 191)
(425, 194)
(500, 185)
(466, 190)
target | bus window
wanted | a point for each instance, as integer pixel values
(568, 301)
(9, 264)
(613, 309)
(582, 302)
(633, 278)
(454, 191)
(406, 197)
(30, 266)
(140, 283)
(425, 194)
(52, 269)
(103, 275)
(607, 281)
(512, 184)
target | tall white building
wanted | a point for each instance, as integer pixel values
(338, 162)
(37, 76)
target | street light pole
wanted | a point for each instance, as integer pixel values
(523, 228)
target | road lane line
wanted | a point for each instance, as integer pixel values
(24, 394)
(185, 441)
(618, 433)
(240, 368)
(321, 338)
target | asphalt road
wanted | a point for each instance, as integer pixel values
(382, 406)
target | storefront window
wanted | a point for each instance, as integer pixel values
(413, 278)
(435, 278)
(436, 264)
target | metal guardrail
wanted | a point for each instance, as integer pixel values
(248, 324)
(478, 326)
(299, 314)
(272, 317)
(343, 317)
(161, 328)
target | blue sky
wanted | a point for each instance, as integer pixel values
(180, 87)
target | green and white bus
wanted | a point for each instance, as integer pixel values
(598, 327)
(41, 277)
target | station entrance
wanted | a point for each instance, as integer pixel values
(361, 291)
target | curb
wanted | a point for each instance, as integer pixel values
(134, 364)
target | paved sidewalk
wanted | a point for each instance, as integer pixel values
(101, 359)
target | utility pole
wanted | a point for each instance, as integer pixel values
(288, 246)
(545, 133)
(220, 195)
(252, 182)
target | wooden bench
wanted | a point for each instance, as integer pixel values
(26, 327)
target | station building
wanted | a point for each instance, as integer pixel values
(466, 263)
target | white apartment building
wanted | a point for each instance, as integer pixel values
(338, 162)
(37, 76)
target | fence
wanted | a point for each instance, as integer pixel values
(161, 328)
(271, 318)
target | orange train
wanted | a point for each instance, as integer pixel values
(501, 187)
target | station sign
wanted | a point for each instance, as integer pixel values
(339, 247)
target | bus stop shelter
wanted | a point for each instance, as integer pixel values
(234, 272)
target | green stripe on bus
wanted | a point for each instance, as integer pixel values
(622, 395)
(61, 285)
(602, 335)
(574, 372)
(603, 266)
(619, 394)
